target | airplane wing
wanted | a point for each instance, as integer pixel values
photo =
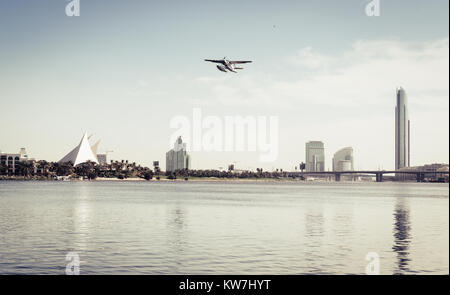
(215, 60)
(239, 61)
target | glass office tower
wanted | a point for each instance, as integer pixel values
(315, 156)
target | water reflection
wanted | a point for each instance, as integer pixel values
(343, 227)
(176, 230)
(402, 239)
(314, 232)
(82, 220)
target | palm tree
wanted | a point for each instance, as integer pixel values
(43, 167)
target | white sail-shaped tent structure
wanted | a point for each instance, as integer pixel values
(81, 153)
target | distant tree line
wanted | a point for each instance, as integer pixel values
(184, 173)
(123, 170)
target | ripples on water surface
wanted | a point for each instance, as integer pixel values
(223, 228)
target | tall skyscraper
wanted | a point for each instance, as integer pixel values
(402, 130)
(343, 160)
(177, 158)
(315, 156)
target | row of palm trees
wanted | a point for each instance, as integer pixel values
(88, 170)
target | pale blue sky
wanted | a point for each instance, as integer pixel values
(123, 69)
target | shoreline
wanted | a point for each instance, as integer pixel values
(203, 179)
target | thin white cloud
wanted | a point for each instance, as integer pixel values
(308, 58)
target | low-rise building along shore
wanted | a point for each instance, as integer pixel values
(11, 160)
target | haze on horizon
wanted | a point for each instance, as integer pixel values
(122, 70)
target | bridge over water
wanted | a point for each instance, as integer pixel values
(420, 174)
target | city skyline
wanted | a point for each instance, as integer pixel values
(402, 142)
(342, 160)
(138, 66)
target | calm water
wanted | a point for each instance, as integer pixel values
(223, 228)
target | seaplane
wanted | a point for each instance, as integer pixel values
(225, 65)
